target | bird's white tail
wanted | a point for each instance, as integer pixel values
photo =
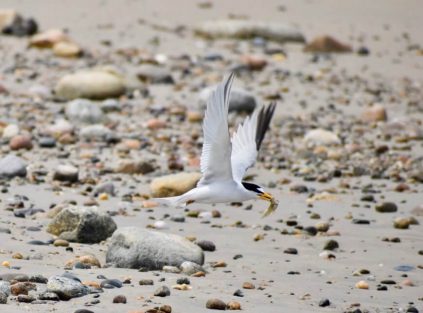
(171, 201)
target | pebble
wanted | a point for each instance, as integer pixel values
(324, 302)
(206, 245)
(386, 207)
(215, 304)
(248, 285)
(233, 305)
(25, 298)
(240, 101)
(327, 44)
(61, 243)
(111, 283)
(66, 172)
(146, 282)
(90, 84)
(162, 291)
(291, 251)
(331, 245)
(119, 299)
(47, 142)
(321, 137)
(84, 111)
(20, 142)
(67, 49)
(362, 285)
(401, 223)
(376, 113)
(12, 166)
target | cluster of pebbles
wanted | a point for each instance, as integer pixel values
(88, 137)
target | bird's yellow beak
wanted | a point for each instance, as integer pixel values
(266, 196)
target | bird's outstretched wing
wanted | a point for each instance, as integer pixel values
(216, 154)
(247, 140)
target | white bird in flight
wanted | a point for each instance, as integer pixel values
(224, 161)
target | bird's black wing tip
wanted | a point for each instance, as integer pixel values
(263, 121)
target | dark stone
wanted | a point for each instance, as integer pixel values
(331, 245)
(146, 282)
(360, 221)
(324, 302)
(183, 280)
(386, 207)
(119, 299)
(206, 245)
(216, 304)
(290, 251)
(162, 292)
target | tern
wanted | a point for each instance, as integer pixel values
(224, 160)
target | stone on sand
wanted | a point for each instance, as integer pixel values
(244, 29)
(174, 184)
(321, 136)
(327, 44)
(132, 247)
(154, 74)
(67, 49)
(91, 84)
(66, 288)
(48, 38)
(82, 224)
(84, 111)
(240, 100)
(11, 166)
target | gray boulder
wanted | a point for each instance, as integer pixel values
(239, 101)
(66, 288)
(82, 224)
(84, 111)
(11, 166)
(132, 247)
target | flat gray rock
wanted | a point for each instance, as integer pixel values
(132, 247)
(66, 288)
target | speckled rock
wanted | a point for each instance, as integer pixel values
(82, 224)
(132, 247)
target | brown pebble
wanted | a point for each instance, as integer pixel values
(215, 304)
(17, 256)
(248, 285)
(233, 305)
(20, 142)
(219, 264)
(407, 282)
(119, 299)
(166, 308)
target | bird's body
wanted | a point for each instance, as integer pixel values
(225, 160)
(218, 192)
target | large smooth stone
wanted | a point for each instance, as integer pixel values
(174, 184)
(91, 84)
(132, 247)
